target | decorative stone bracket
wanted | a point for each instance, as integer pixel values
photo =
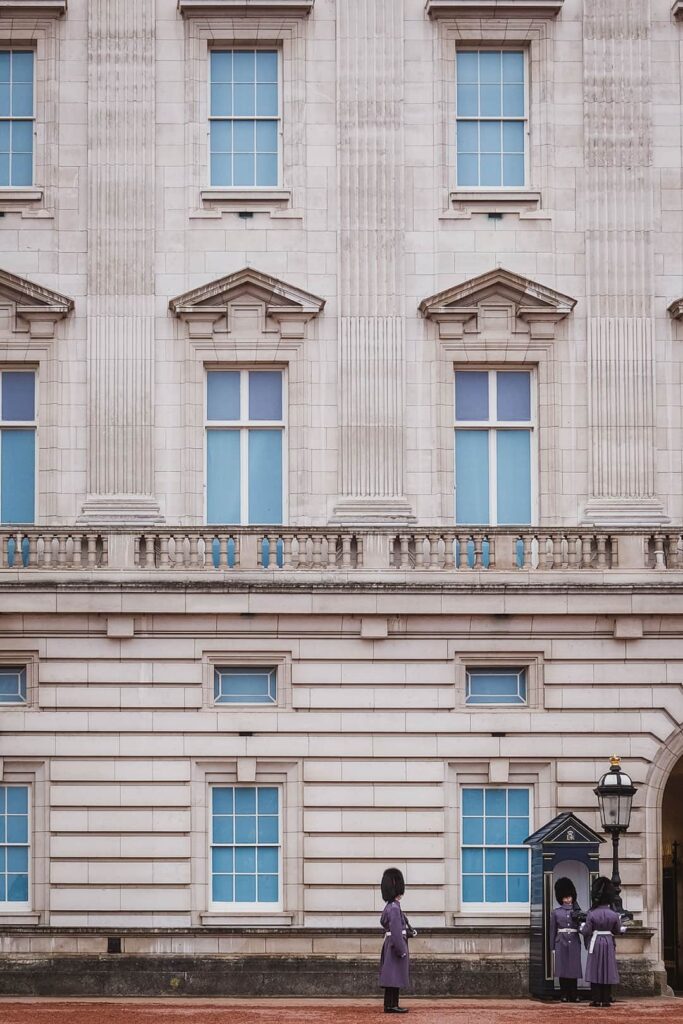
(494, 8)
(246, 303)
(38, 307)
(677, 10)
(232, 8)
(539, 307)
(676, 308)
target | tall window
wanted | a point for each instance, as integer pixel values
(14, 846)
(493, 447)
(495, 862)
(245, 845)
(244, 446)
(17, 446)
(17, 115)
(491, 118)
(244, 120)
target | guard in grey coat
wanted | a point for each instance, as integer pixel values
(565, 940)
(394, 969)
(601, 926)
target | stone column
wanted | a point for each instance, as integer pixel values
(371, 239)
(121, 223)
(619, 189)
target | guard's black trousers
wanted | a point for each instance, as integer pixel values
(390, 998)
(601, 994)
(569, 988)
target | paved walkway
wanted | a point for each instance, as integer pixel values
(329, 1011)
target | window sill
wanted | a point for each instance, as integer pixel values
(29, 917)
(207, 8)
(217, 201)
(32, 8)
(496, 200)
(247, 918)
(494, 8)
(20, 195)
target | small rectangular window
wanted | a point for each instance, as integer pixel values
(244, 118)
(14, 846)
(494, 860)
(17, 116)
(496, 686)
(17, 446)
(245, 846)
(491, 118)
(245, 446)
(245, 685)
(494, 433)
(12, 684)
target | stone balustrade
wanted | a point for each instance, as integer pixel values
(326, 549)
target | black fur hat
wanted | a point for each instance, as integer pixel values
(603, 892)
(564, 887)
(393, 884)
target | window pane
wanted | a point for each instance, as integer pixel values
(513, 100)
(17, 888)
(244, 100)
(490, 65)
(17, 476)
(513, 66)
(499, 687)
(223, 800)
(243, 136)
(268, 800)
(18, 395)
(490, 136)
(490, 171)
(265, 395)
(222, 889)
(513, 171)
(514, 395)
(22, 66)
(221, 66)
(513, 137)
(472, 861)
(245, 860)
(21, 169)
(468, 169)
(223, 395)
(266, 860)
(222, 859)
(514, 476)
(472, 476)
(266, 65)
(467, 100)
(518, 889)
(473, 801)
(518, 830)
(22, 99)
(518, 861)
(468, 137)
(221, 170)
(245, 800)
(221, 99)
(17, 828)
(266, 169)
(268, 829)
(473, 889)
(223, 829)
(495, 889)
(244, 65)
(242, 686)
(468, 67)
(496, 801)
(245, 888)
(268, 889)
(495, 862)
(265, 476)
(471, 395)
(266, 100)
(245, 830)
(490, 101)
(266, 136)
(223, 476)
(518, 801)
(244, 169)
(473, 831)
(12, 686)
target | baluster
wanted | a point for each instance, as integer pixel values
(419, 551)
(61, 550)
(542, 551)
(359, 552)
(5, 551)
(615, 552)
(164, 558)
(557, 551)
(405, 551)
(660, 562)
(433, 539)
(150, 550)
(32, 549)
(194, 550)
(449, 553)
(331, 551)
(47, 549)
(287, 542)
(105, 550)
(586, 550)
(346, 551)
(179, 557)
(527, 540)
(478, 559)
(91, 541)
(223, 551)
(137, 547)
(272, 552)
(602, 551)
(462, 540)
(317, 551)
(572, 553)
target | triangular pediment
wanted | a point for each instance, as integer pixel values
(33, 304)
(502, 284)
(248, 283)
(565, 828)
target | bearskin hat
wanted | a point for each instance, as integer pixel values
(603, 892)
(392, 885)
(564, 887)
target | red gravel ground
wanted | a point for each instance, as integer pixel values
(329, 1011)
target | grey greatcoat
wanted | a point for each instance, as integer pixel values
(567, 944)
(394, 965)
(601, 966)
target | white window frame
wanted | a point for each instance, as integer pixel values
(244, 426)
(270, 670)
(21, 667)
(23, 424)
(509, 48)
(8, 906)
(503, 907)
(497, 670)
(233, 48)
(492, 426)
(33, 119)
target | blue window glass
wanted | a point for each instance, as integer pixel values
(14, 844)
(223, 476)
(265, 395)
(244, 118)
(12, 684)
(472, 476)
(494, 861)
(245, 686)
(490, 118)
(223, 395)
(17, 446)
(496, 686)
(18, 396)
(265, 476)
(245, 844)
(493, 467)
(17, 117)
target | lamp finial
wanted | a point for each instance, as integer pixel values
(615, 761)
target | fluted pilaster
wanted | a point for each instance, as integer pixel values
(619, 222)
(370, 43)
(121, 205)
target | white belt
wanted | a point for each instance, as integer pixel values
(568, 931)
(387, 934)
(594, 937)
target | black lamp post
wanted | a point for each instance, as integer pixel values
(615, 792)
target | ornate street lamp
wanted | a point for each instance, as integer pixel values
(615, 792)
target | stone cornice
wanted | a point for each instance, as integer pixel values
(290, 307)
(535, 304)
(676, 308)
(33, 8)
(677, 10)
(39, 307)
(494, 8)
(240, 8)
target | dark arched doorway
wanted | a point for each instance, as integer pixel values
(672, 877)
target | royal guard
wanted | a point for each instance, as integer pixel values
(394, 970)
(599, 931)
(565, 940)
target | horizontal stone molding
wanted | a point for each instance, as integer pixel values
(494, 8)
(33, 8)
(234, 8)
